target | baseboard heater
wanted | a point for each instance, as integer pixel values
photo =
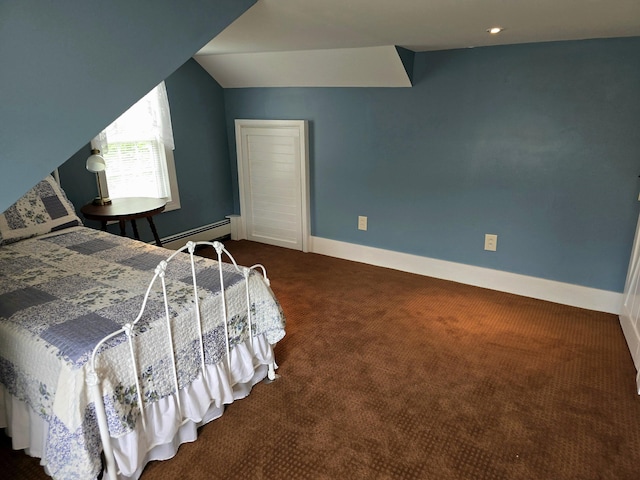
(206, 233)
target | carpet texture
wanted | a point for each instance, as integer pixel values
(389, 375)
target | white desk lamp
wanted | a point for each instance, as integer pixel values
(97, 165)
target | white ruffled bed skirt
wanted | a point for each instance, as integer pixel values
(201, 402)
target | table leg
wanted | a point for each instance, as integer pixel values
(104, 225)
(155, 232)
(135, 229)
(123, 231)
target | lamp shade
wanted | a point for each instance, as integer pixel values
(95, 162)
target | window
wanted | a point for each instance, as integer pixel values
(138, 151)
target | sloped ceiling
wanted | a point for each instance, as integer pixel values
(245, 47)
(344, 67)
(67, 69)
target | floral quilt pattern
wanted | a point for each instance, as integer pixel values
(61, 294)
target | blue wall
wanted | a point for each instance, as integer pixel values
(69, 68)
(201, 157)
(536, 143)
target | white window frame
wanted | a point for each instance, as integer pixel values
(174, 202)
(166, 141)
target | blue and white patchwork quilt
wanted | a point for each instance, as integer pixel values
(60, 294)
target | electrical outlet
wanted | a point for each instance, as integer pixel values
(490, 242)
(362, 223)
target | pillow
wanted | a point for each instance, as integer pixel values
(43, 209)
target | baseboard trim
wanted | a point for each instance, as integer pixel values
(550, 290)
(206, 233)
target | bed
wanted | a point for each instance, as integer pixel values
(83, 317)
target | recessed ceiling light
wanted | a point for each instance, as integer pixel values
(495, 30)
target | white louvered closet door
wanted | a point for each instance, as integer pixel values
(272, 175)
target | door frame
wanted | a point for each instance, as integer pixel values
(630, 311)
(303, 134)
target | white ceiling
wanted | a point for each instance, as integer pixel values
(419, 25)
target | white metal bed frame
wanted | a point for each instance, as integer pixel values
(93, 378)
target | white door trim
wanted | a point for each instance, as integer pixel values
(630, 312)
(302, 126)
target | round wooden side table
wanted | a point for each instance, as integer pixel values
(123, 209)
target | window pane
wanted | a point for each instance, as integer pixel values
(137, 148)
(137, 169)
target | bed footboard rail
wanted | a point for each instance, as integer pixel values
(130, 330)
